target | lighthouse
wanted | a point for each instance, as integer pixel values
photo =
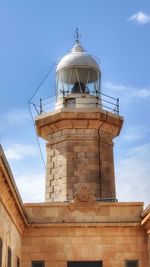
(78, 79)
(79, 132)
(81, 223)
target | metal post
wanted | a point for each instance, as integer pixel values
(117, 106)
(41, 110)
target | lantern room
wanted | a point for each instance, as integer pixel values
(78, 79)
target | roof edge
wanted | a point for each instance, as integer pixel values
(13, 186)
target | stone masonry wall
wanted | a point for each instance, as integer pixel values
(12, 221)
(110, 244)
(148, 248)
(107, 165)
(79, 152)
(10, 237)
(77, 157)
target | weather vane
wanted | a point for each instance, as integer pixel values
(77, 35)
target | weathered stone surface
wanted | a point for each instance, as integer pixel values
(85, 211)
(78, 119)
(80, 161)
(116, 236)
(12, 216)
(10, 236)
(79, 151)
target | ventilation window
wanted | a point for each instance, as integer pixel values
(9, 257)
(132, 263)
(18, 262)
(38, 264)
(1, 247)
(84, 264)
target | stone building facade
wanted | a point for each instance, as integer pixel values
(81, 223)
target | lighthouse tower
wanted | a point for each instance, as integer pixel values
(79, 132)
(80, 223)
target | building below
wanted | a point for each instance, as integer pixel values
(59, 234)
(81, 223)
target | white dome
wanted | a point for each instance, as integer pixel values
(77, 57)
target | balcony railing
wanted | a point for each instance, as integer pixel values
(104, 101)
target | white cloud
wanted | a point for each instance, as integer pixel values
(19, 151)
(135, 133)
(140, 18)
(133, 175)
(143, 92)
(14, 117)
(116, 87)
(128, 90)
(31, 186)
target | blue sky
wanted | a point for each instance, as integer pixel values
(34, 35)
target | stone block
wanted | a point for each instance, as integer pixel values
(77, 148)
(80, 124)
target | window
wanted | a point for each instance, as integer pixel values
(9, 257)
(18, 262)
(84, 264)
(38, 264)
(1, 247)
(131, 263)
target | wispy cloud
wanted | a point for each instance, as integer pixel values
(19, 151)
(31, 186)
(138, 92)
(135, 133)
(140, 18)
(14, 117)
(133, 181)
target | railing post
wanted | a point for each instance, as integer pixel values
(117, 106)
(41, 111)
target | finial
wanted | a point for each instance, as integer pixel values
(77, 35)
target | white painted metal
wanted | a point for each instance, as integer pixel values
(77, 57)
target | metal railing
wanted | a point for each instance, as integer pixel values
(107, 200)
(104, 101)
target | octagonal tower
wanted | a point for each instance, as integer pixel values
(79, 132)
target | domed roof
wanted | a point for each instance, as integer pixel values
(77, 57)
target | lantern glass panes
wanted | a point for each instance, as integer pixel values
(80, 80)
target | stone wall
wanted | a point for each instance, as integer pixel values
(148, 248)
(77, 157)
(146, 225)
(79, 152)
(10, 237)
(12, 214)
(58, 244)
(84, 231)
(87, 212)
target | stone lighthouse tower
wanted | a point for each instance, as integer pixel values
(80, 224)
(79, 132)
